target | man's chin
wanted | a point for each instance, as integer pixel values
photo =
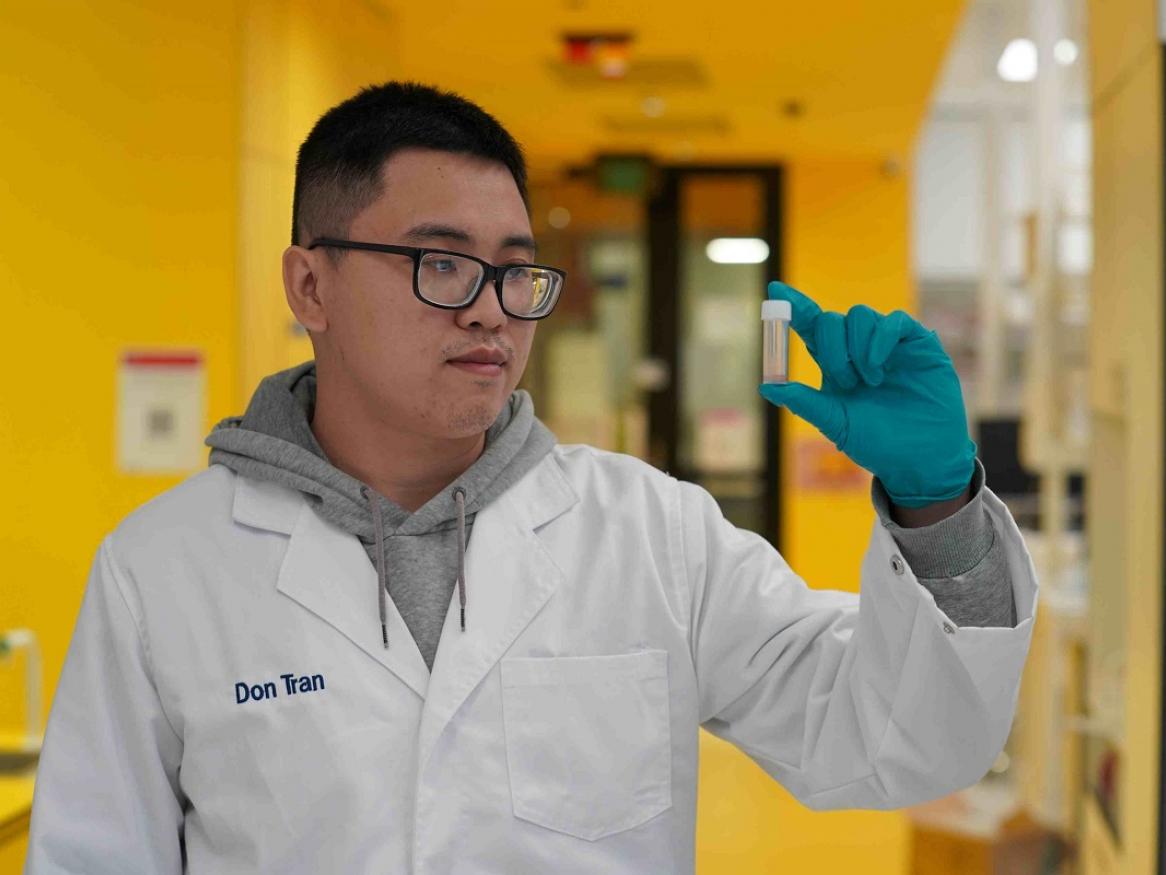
(474, 416)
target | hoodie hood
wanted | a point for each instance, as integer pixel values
(273, 440)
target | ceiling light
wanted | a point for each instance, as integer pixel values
(611, 57)
(1018, 61)
(737, 250)
(1065, 51)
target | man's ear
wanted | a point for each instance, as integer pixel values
(301, 274)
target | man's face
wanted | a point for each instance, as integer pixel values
(395, 350)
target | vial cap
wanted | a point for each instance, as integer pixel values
(776, 310)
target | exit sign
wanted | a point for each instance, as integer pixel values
(627, 174)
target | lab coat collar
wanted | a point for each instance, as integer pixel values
(509, 573)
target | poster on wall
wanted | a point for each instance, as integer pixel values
(161, 403)
(820, 467)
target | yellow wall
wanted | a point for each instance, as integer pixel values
(299, 59)
(154, 146)
(117, 214)
(847, 244)
(14, 846)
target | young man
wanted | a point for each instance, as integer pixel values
(297, 661)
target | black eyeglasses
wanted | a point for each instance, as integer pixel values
(453, 280)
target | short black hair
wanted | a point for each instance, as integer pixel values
(338, 168)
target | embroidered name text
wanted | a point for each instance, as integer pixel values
(292, 685)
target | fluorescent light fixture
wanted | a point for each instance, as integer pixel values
(1065, 51)
(737, 250)
(1018, 61)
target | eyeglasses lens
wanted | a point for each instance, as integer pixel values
(450, 280)
(447, 279)
(529, 290)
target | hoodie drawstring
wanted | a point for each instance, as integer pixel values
(459, 496)
(382, 584)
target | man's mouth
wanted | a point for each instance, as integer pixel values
(487, 369)
(483, 355)
(485, 360)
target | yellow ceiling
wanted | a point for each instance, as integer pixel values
(863, 71)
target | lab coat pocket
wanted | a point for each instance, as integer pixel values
(588, 740)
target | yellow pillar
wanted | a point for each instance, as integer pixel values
(1126, 397)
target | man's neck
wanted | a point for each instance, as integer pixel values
(407, 469)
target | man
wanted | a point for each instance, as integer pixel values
(297, 661)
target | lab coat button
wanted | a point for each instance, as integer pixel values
(947, 627)
(897, 564)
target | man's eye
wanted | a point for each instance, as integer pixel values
(443, 265)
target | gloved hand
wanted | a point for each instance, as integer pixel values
(890, 398)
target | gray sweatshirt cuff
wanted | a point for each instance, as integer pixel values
(959, 560)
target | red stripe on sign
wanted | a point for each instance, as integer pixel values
(163, 359)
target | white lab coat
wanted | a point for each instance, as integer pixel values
(611, 611)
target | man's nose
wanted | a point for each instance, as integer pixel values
(485, 311)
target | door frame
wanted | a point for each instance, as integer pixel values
(662, 327)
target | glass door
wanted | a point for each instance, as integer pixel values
(713, 245)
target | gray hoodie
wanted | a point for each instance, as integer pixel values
(419, 556)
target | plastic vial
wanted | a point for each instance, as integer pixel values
(775, 319)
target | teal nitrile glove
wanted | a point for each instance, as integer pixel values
(890, 398)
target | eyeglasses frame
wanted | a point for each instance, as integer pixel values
(490, 272)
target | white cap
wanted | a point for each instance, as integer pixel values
(776, 310)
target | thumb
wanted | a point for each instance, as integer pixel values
(822, 411)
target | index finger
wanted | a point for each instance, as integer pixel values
(805, 310)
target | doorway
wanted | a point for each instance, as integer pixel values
(714, 242)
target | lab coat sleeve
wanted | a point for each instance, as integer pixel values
(106, 798)
(870, 700)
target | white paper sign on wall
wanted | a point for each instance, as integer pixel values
(160, 411)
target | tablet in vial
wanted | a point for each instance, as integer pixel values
(775, 319)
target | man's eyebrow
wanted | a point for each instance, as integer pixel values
(432, 230)
(521, 241)
(429, 230)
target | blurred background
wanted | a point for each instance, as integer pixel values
(994, 167)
